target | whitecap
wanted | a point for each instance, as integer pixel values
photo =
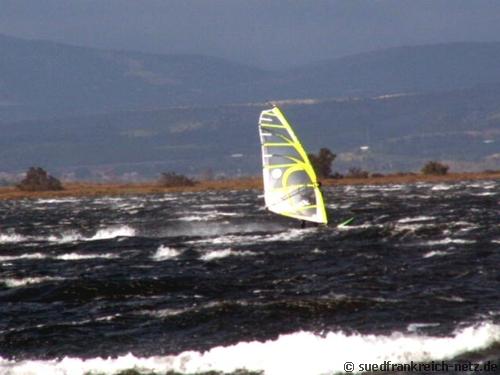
(441, 187)
(296, 353)
(416, 219)
(101, 234)
(70, 236)
(391, 187)
(113, 232)
(431, 254)
(58, 200)
(361, 226)
(205, 216)
(408, 227)
(22, 256)
(77, 256)
(289, 235)
(12, 238)
(164, 313)
(164, 253)
(415, 327)
(217, 254)
(449, 240)
(17, 282)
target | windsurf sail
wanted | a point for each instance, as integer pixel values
(290, 184)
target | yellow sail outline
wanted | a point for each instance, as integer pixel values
(297, 165)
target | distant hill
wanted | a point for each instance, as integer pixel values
(82, 109)
(405, 69)
(41, 79)
(46, 79)
(402, 132)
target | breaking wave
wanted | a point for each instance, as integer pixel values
(72, 236)
(164, 253)
(297, 353)
(217, 254)
(17, 282)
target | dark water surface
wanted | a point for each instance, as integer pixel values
(211, 281)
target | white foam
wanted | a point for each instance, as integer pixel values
(297, 353)
(58, 200)
(416, 219)
(72, 235)
(431, 254)
(292, 234)
(163, 313)
(441, 187)
(77, 256)
(449, 240)
(206, 215)
(288, 235)
(22, 256)
(68, 256)
(361, 226)
(113, 232)
(164, 253)
(391, 187)
(415, 327)
(17, 282)
(217, 254)
(11, 238)
(194, 218)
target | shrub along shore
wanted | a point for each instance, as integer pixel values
(87, 189)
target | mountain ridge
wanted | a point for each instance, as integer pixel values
(402, 132)
(100, 107)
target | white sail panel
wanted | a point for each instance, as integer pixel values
(290, 184)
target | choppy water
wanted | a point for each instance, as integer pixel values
(196, 282)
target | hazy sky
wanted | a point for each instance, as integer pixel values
(259, 32)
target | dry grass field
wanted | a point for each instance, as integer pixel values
(77, 189)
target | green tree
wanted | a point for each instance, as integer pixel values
(172, 179)
(322, 162)
(37, 179)
(357, 172)
(435, 168)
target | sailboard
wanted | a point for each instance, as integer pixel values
(291, 187)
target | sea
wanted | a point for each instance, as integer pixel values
(213, 283)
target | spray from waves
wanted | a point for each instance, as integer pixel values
(101, 234)
(72, 236)
(206, 215)
(113, 232)
(292, 354)
(165, 253)
(203, 229)
(287, 235)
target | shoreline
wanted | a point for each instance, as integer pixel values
(89, 189)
